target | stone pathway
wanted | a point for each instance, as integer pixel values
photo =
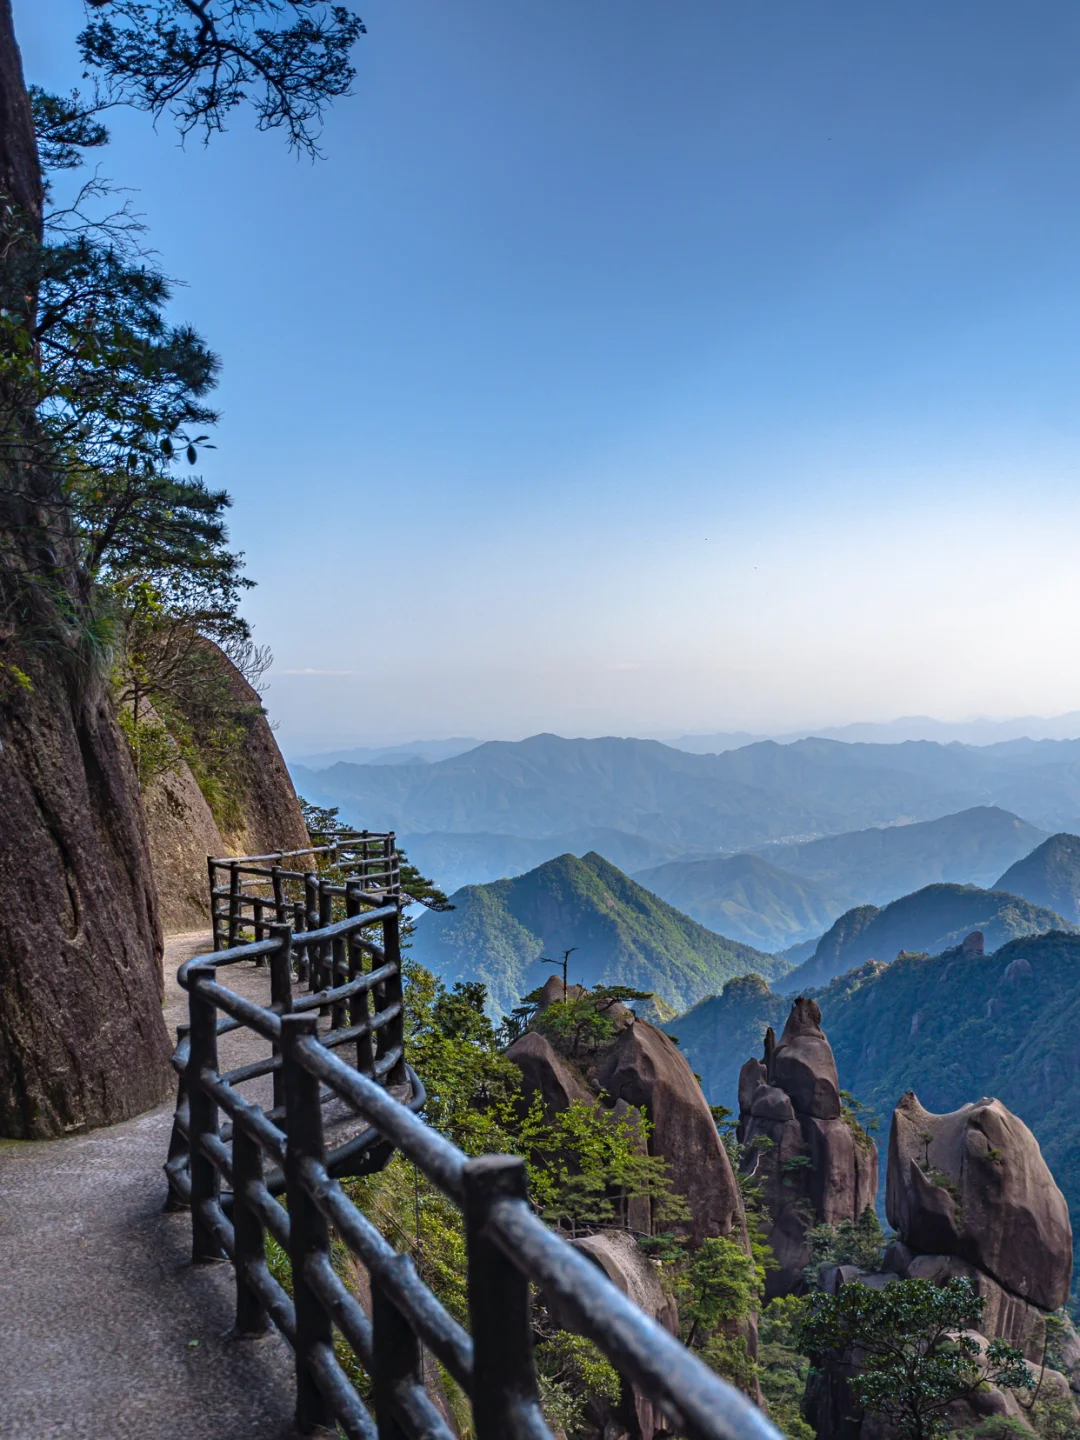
(107, 1332)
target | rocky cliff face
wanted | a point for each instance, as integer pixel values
(817, 1165)
(262, 813)
(82, 1040)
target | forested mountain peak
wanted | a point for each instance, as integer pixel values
(621, 934)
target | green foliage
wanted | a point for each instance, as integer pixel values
(720, 1285)
(472, 1087)
(782, 1367)
(572, 1372)
(199, 63)
(585, 1022)
(853, 1242)
(152, 747)
(915, 1357)
(586, 1164)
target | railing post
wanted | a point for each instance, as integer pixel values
(504, 1376)
(397, 1360)
(309, 1234)
(178, 1142)
(311, 922)
(326, 950)
(203, 1113)
(393, 865)
(359, 1008)
(390, 992)
(215, 911)
(234, 904)
(279, 894)
(281, 997)
(249, 1242)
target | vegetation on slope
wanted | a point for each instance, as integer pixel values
(623, 934)
(1049, 876)
(933, 919)
(745, 897)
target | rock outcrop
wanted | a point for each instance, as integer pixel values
(974, 1184)
(818, 1165)
(645, 1068)
(269, 815)
(542, 1070)
(182, 832)
(82, 1040)
(620, 1257)
(970, 1197)
(260, 813)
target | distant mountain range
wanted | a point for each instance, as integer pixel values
(874, 866)
(704, 804)
(908, 727)
(463, 859)
(413, 752)
(623, 935)
(931, 920)
(786, 895)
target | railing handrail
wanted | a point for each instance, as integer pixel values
(508, 1247)
(348, 840)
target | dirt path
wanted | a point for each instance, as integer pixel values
(106, 1330)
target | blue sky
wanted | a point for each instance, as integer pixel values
(645, 369)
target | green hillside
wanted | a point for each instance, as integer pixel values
(929, 921)
(625, 935)
(745, 897)
(1049, 876)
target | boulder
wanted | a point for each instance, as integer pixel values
(817, 1167)
(803, 1065)
(973, 1184)
(645, 1068)
(752, 1074)
(542, 1069)
(770, 1103)
(1005, 1316)
(552, 991)
(620, 1257)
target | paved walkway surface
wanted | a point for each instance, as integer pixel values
(106, 1329)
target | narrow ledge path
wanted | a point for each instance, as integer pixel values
(107, 1331)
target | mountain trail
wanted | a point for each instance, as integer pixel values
(108, 1329)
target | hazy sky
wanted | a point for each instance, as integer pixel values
(633, 368)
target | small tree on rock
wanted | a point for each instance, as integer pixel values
(916, 1356)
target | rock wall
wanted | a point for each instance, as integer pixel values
(82, 1040)
(816, 1168)
(270, 812)
(264, 814)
